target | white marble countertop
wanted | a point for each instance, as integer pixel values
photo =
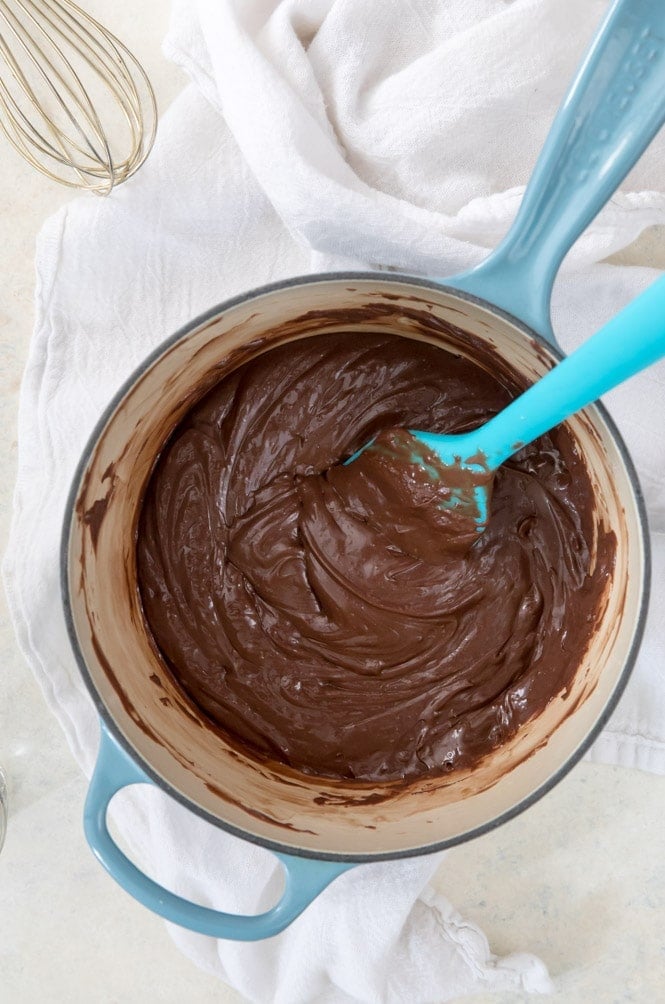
(578, 879)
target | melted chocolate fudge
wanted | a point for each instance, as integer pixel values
(330, 617)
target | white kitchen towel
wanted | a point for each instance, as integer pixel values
(380, 134)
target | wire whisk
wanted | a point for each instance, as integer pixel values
(74, 101)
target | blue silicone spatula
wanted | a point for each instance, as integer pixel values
(631, 341)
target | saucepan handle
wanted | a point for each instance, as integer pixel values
(305, 877)
(614, 108)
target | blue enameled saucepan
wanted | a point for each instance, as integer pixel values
(150, 732)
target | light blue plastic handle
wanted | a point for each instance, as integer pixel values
(614, 108)
(305, 877)
(630, 342)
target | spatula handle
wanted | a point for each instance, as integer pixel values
(631, 341)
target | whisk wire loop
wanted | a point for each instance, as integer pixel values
(74, 101)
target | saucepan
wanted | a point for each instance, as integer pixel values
(151, 732)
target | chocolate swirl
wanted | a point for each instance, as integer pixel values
(309, 608)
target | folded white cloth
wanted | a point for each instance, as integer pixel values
(381, 134)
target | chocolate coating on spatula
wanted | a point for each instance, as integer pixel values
(331, 617)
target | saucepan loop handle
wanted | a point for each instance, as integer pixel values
(612, 111)
(305, 877)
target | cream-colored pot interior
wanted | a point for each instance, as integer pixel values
(169, 735)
